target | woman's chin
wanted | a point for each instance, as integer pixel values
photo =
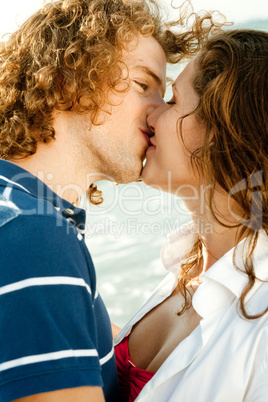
(148, 180)
(147, 176)
(151, 180)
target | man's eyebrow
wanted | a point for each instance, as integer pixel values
(155, 77)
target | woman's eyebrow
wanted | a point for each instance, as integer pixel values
(154, 76)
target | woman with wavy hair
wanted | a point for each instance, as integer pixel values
(203, 334)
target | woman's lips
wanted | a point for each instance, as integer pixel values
(152, 141)
(148, 135)
(152, 144)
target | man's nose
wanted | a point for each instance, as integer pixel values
(153, 114)
(155, 102)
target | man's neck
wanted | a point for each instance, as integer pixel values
(58, 169)
(66, 165)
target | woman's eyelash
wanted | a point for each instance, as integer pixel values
(142, 85)
(171, 102)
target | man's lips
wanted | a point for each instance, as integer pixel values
(147, 135)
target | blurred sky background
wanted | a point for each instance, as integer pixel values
(126, 232)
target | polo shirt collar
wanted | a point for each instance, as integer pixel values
(14, 176)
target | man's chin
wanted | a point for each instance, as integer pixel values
(126, 175)
(129, 177)
(133, 175)
(133, 179)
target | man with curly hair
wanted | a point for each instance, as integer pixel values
(77, 81)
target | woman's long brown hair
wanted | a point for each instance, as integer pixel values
(232, 83)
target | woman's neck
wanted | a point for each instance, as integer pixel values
(216, 237)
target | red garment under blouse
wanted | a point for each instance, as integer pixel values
(131, 378)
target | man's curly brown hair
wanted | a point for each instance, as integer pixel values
(61, 56)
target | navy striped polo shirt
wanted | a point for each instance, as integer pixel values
(55, 332)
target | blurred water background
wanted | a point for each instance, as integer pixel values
(125, 235)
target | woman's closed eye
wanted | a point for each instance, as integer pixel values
(171, 102)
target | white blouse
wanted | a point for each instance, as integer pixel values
(226, 357)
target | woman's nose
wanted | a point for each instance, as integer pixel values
(153, 114)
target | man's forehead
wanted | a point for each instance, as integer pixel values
(147, 55)
(144, 50)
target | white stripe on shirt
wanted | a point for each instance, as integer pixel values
(42, 281)
(106, 358)
(63, 354)
(14, 184)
